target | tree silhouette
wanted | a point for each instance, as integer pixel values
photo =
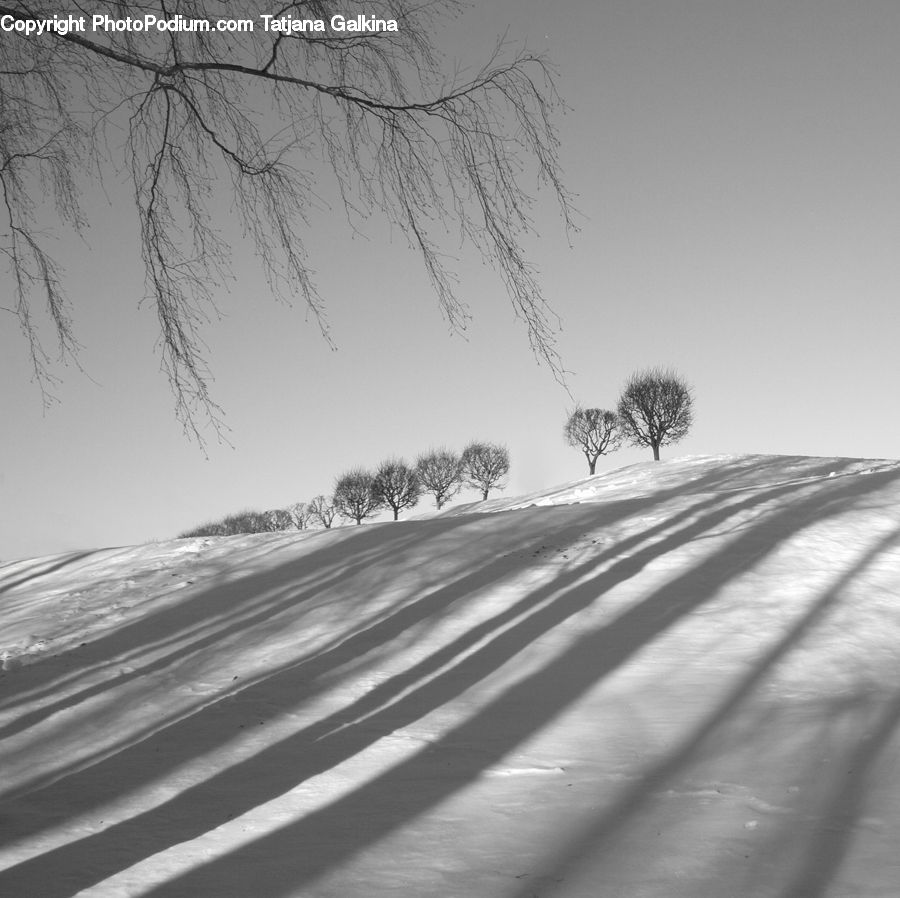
(656, 409)
(322, 510)
(484, 465)
(440, 474)
(354, 495)
(396, 486)
(300, 514)
(595, 431)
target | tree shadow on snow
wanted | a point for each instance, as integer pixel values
(150, 755)
(813, 863)
(230, 605)
(432, 775)
(228, 602)
(310, 847)
(22, 572)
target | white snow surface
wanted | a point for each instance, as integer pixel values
(676, 680)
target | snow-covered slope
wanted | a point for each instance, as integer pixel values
(677, 680)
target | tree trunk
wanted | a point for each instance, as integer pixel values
(592, 465)
(484, 496)
(655, 452)
(396, 512)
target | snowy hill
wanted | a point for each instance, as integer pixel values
(676, 680)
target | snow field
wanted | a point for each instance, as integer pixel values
(676, 679)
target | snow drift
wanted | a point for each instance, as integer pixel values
(676, 679)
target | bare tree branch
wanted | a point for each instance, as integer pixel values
(252, 112)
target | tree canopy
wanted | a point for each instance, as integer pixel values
(354, 495)
(595, 431)
(484, 465)
(656, 408)
(396, 486)
(440, 474)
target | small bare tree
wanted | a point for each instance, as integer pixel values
(484, 465)
(440, 474)
(300, 515)
(322, 510)
(397, 486)
(656, 408)
(354, 495)
(279, 519)
(595, 431)
(246, 521)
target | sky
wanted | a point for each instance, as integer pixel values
(737, 172)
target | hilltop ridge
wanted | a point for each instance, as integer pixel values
(708, 472)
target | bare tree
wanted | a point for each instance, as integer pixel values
(323, 510)
(354, 495)
(191, 110)
(246, 521)
(300, 515)
(595, 431)
(440, 474)
(484, 465)
(656, 408)
(397, 486)
(279, 519)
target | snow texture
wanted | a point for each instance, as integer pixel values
(676, 680)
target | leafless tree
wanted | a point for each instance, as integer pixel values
(247, 521)
(354, 495)
(196, 112)
(322, 509)
(595, 431)
(484, 465)
(440, 474)
(300, 515)
(279, 519)
(656, 408)
(397, 486)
